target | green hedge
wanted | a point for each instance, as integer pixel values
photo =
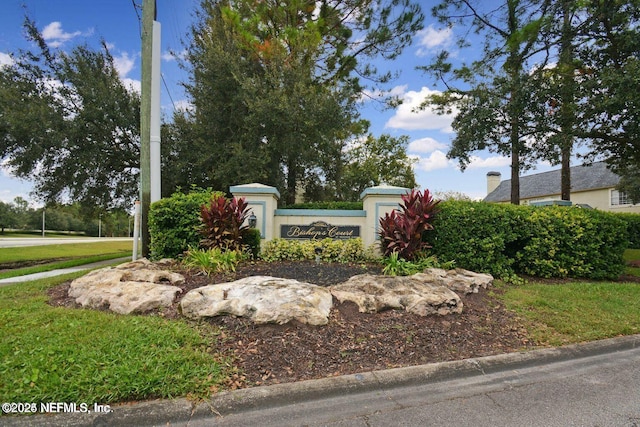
(328, 205)
(478, 236)
(551, 241)
(174, 223)
(633, 228)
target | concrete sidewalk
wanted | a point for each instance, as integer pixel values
(53, 273)
(182, 412)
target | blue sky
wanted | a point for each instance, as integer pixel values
(67, 23)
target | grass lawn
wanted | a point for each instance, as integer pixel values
(632, 255)
(58, 265)
(576, 312)
(67, 250)
(52, 354)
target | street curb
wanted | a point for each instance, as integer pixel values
(165, 412)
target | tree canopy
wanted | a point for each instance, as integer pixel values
(566, 74)
(491, 93)
(374, 161)
(68, 123)
(610, 65)
(274, 87)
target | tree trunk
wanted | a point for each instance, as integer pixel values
(292, 178)
(565, 173)
(514, 68)
(567, 115)
(515, 168)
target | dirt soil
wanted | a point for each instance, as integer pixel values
(352, 342)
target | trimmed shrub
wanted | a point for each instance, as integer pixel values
(479, 236)
(633, 228)
(567, 242)
(349, 250)
(252, 239)
(174, 222)
(404, 230)
(550, 241)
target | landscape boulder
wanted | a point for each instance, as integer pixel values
(142, 286)
(263, 299)
(458, 280)
(134, 287)
(375, 293)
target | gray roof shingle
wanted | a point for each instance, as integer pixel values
(583, 177)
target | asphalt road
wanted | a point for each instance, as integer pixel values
(595, 384)
(602, 390)
(17, 242)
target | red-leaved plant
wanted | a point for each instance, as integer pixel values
(402, 231)
(223, 223)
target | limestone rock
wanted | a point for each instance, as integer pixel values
(143, 270)
(375, 293)
(134, 287)
(264, 299)
(458, 280)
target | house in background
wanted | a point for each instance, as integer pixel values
(591, 185)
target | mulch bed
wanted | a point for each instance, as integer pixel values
(352, 342)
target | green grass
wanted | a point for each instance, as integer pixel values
(67, 250)
(632, 255)
(577, 312)
(58, 265)
(38, 233)
(52, 354)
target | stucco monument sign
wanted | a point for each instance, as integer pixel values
(319, 230)
(320, 223)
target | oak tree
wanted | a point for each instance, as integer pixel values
(69, 124)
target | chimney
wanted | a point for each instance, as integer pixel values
(493, 180)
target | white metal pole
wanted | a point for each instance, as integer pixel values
(136, 230)
(42, 222)
(154, 143)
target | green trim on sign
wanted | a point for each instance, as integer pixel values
(319, 212)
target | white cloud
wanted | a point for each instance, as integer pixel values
(406, 116)
(11, 187)
(490, 162)
(5, 59)
(133, 85)
(184, 105)
(56, 36)
(431, 39)
(172, 56)
(437, 160)
(425, 145)
(124, 64)
(396, 91)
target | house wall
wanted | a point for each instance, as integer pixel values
(597, 199)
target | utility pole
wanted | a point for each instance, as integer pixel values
(154, 138)
(148, 16)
